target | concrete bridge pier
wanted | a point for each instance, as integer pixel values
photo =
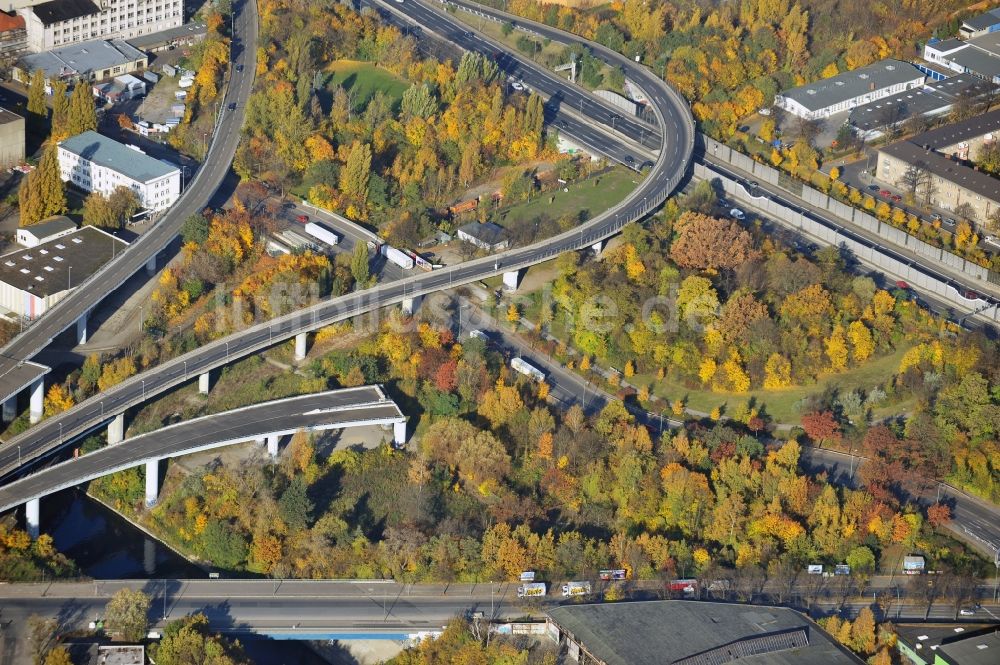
(204, 382)
(116, 429)
(152, 482)
(10, 408)
(37, 405)
(511, 280)
(301, 348)
(598, 247)
(272, 445)
(32, 518)
(410, 305)
(399, 433)
(151, 265)
(81, 328)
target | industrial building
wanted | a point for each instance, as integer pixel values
(489, 236)
(62, 22)
(96, 163)
(848, 90)
(48, 229)
(935, 98)
(981, 24)
(96, 60)
(691, 633)
(979, 55)
(11, 139)
(948, 644)
(34, 279)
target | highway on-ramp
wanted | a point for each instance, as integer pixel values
(332, 409)
(87, 295)
(660, 181)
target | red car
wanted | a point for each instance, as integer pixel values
(900, 284)
(896, 197)
(302, 218)
(885, 193)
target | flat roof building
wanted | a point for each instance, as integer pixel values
(948, 644)
(95, 60)
(96, 163)
(982, 24)
(11, 139)
(935, 98)
(847, 90)
(33, 280)
(979, 56)
(692, 633)
(187, 34)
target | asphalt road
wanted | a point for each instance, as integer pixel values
(660, 181)
(326, 410)
(199, 191)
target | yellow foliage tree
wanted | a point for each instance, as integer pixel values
(777, 372)
(57, 400)
(836, 348)
(861, 340)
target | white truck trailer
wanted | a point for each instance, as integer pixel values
(524, 367)
(322, 233)
(531, 590)
(401, 259)
(576, 589)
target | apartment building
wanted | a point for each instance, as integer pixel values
(96, 163)
(60, 22)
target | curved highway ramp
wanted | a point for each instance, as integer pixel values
(267, 421)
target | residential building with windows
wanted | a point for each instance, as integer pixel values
(13, 36)
(848, 90)
(61, 22)
(96, 163)
(98, 60)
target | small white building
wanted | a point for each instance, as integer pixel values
(96, 163)
(844, 91)
(489, 236)
(34, 279)
(45, 230)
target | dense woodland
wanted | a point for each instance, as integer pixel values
(500, 482)
(391, 161)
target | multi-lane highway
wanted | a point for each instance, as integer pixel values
(671, 166)
(336, 409)
(86, 296)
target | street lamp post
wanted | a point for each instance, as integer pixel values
(69, 279)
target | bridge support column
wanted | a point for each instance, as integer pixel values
(152, 482)
(301, 340)
(511, 280)
(81, 330)
(10, 408)
(37, 404)
(116, 429)
(151, 265)
(598, 246)
(399, 433)
(32, 519)
(410, 305)
(204, 382)
(272, 445)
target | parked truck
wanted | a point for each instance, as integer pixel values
(613, 574)
(913, 565)
(688, 587)
(576, 589)
(322, 233)
(532, 590)
(524, 367)
(401, 259)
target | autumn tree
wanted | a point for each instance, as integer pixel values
(359, 265)
(57, 399)
(821, 426)
(707, 242)
(81, 115)
(190, 641)
(354, 176)
(42, 193)
(36, 95)
(60, 109)
(126, 614)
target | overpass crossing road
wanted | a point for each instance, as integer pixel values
(334, 409)
(663, 178)
(86, 296)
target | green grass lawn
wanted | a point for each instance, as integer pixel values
(591, 197)
(363, 79)
(781, 404)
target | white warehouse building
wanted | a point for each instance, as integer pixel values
(847, 90)
(96, 163)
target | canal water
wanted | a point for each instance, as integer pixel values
(106, 546)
